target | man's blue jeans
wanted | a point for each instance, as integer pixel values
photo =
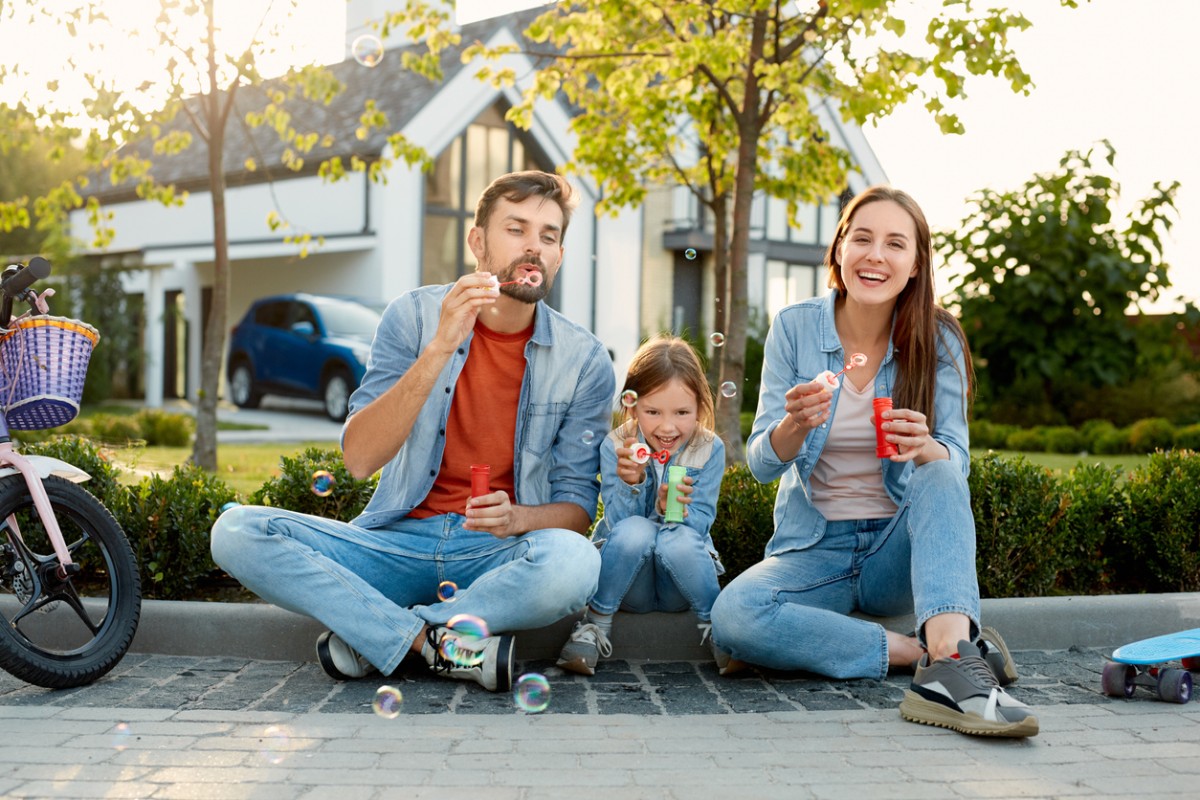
(790, 611)
(376, 588)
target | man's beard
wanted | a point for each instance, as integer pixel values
(521, 291)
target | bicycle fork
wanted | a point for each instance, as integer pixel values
(11, 458)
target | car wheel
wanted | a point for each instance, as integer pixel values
(241, 387)
(336, 394)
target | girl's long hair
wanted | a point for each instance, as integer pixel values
(663, 359)
(920, 322)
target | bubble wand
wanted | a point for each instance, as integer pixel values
(528, 279)
(831, 379)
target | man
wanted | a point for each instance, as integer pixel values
(477, 372)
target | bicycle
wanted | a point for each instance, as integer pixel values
(70, 594)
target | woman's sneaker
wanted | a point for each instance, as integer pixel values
(996, 654)
(584, 648)
(726, 664)
(487, 661)
(962, 693)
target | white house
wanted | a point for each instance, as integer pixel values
(623, 277)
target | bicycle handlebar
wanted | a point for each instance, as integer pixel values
(15, 284)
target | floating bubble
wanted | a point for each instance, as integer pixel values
(275, 741)
(690, 253)
(387, 702)
(120, 736)
(447, 591)
(717, 339)
(367, 50)
(468, 626)
(629, 398)
(457, 650)
(228, 506)
(589, 437)
(322, 483)
(532, 693)
(728, 389)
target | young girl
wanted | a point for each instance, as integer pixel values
(648, 564)
(857, 528)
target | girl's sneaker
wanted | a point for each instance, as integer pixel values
(584, 648)
(962, 693)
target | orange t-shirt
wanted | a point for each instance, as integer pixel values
(482, 427)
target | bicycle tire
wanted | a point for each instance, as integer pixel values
(59, 633)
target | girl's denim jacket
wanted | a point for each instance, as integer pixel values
(704, 458)
(566, 400)
(801, 343)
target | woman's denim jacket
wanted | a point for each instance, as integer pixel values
(801, 343)
(704, 458)
(566, 392)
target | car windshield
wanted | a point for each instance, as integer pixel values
(349, 319)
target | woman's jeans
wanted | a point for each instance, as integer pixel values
(376, 588)
(790, 611)
(646, 566)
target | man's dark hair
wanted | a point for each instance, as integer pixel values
(516, 187)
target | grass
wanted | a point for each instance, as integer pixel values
(125, 410)
(244, 467)
(1064, 462)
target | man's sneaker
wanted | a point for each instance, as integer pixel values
(488, 661)
(726, 664)
(962, 693)
(339, 660)
(996, 654)
(584, 648)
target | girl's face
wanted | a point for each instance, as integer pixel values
(667, 416)
(878, 254)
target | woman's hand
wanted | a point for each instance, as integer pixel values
(808, 405)
(909, 431)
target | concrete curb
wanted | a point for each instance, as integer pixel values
(260, 631)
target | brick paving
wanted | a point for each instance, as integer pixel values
(196, 727)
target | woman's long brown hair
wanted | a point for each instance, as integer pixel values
(920, 321)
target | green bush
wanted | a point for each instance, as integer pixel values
(744, 521)
(1064, 439)
(164, 429)
(1092, 525)
(1092, 430)
(83, 453)
(1111, 442)
(114, 429)
(167, 521)
(1148, 435)
(293, 489)
(1161, 549)
(1029, 440)
(1019, 510)
(990, 435)
(1188, 437)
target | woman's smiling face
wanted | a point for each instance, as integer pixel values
(878, 254)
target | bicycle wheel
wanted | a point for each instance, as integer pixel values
(58, 632)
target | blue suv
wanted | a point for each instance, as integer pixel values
(301, 345)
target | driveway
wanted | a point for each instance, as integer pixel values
(284, 420)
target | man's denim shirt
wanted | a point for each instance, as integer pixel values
(567, 391)
(802, 342)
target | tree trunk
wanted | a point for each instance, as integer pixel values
(719, 207)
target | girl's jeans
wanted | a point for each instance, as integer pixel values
(790, 611)
(646, 566)
(376, 588)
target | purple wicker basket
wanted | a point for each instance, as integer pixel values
(43, 361)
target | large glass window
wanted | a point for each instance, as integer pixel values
(488, 148)
(789, 283)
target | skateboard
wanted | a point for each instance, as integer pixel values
(1150, 663)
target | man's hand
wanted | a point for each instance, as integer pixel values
(494, 514)
(629, 470)
(461, 306)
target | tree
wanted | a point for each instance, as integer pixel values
(720, 96)
(1050, 274)
(126, 132)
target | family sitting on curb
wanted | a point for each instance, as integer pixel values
(483, 371)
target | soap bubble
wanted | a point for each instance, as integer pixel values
(690, 253)
(120, 736)
(629, 398)
(728, 389)
(589, 437)
(532, 693)
(387, 702)
(464, 631)
(717, 339)
(228, 506)
(322, 483)
(468, 626)
(447, 591)
(275, 742)
(367, 50)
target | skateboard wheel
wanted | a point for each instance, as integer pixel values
(1175, 685)
(1118, 679)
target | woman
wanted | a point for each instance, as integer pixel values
(854, 531)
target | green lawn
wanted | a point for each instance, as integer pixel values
(1063, 462)
(244, 467)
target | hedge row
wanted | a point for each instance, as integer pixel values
(1094, 436)
(1094, 530)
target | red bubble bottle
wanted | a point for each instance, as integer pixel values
(883, 448)
(480, 478)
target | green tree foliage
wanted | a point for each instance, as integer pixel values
(724, 98)
(1050, 275)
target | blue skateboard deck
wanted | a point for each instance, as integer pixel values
(1160, 649)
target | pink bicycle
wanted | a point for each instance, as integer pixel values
(70, 596)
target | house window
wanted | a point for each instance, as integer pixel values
(488, 148)
(812, 225)
(789, 283)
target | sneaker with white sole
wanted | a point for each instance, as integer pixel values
(339, 660)
(585, 647)
(962, 693)
(995, 653)
(488, 661)
(726, 664)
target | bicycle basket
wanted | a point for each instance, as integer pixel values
(43, 361)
